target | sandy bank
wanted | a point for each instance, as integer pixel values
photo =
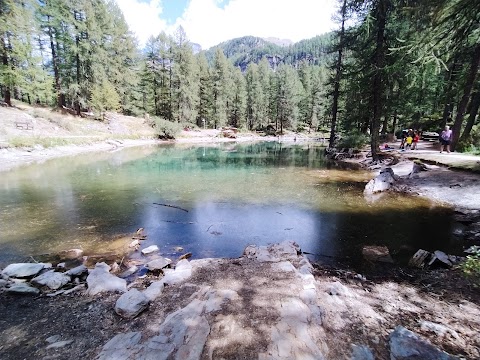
(11, 158)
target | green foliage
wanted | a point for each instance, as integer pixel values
(104, 98)
(471, 266)
(167, 130)
(354, 139)
(404, 64)
(471, 144)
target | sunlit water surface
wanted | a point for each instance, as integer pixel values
(234, 195)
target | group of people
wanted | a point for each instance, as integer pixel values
(410, 139)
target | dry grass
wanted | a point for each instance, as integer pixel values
(52, 128)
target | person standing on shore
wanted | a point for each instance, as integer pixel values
(445, 139)
(416, 138)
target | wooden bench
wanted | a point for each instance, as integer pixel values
(24, 125)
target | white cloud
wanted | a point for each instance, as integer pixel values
(144, 19)
(206, 23)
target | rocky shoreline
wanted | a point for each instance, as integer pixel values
(271, 303)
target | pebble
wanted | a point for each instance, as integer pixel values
(59, 344)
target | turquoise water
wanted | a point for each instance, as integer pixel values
(221, 198)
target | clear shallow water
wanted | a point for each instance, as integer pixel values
(235, 195)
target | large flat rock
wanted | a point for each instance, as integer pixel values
(23, 270)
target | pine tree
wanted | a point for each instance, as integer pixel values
(264, 75)
(220, 89)
(104, 97)
(239, 100)
(21, 71)
(254, 96)
(122, 63)
(340, 48)
(204, 105)
(288, 93)
(185, 80)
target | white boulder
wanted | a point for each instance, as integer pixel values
(183, 270)
(382, 182)
(100, 280)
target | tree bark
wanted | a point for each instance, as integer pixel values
(378, 78)
(7, 93)
(462, 106)
(450, 77)
(338, 72)
(8, 97)
(56, 74)
(394, 124)
(475, 105)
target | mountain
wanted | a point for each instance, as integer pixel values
(242, 51)
(196, 48)
(279, 42)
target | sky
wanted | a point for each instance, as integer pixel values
(210, 22)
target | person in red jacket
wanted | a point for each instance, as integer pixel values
(416, 138)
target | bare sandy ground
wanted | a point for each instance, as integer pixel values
(452, 178)
(11, 158)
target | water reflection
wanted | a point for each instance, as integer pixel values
(235, 195)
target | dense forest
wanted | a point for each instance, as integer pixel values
(391, 64)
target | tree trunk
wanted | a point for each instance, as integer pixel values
(77, 60)
(7, 94)
(475, 105)
(394, 125)
(338, 72)
(55, 67)
(384, 125)
(462, 106)
(155, 96)
(378, 78)
(450, 77)
(8, 97)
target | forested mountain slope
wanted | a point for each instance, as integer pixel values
(249, 49)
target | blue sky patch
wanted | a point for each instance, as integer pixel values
(223, 3)
(173, 9)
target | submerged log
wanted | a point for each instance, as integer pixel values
(171, 206)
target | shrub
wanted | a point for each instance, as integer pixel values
(104, 98)
(166, 129)
(472, 143)
(355, 140)
(471, 266)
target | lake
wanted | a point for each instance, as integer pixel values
(211, 200)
